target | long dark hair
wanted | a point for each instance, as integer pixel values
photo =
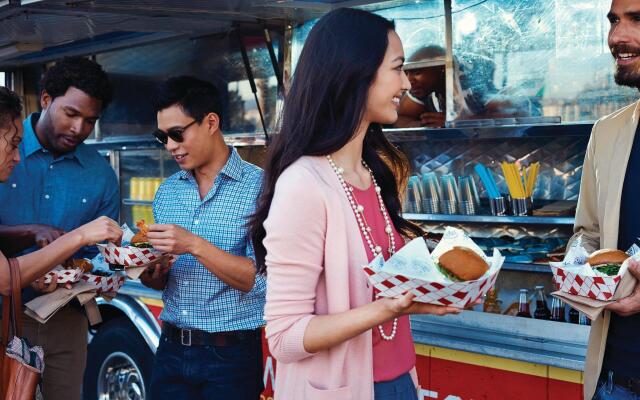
(325, 105)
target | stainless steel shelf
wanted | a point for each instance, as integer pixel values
(557, 344)
(491, 219)
(131, 202)
(582, 129)
(541, 268)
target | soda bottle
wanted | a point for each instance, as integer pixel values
(557, 310)
(574, 316)
(523, 305)
(542, 310)
(583, 319)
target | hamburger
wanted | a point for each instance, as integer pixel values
(462, 264)
(607, 261)
(140, 239)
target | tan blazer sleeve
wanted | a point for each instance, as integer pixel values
(587, 223)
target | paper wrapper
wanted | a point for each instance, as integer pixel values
(575, 276)
(586, 290)
(413, 269)
(42, 308)
(104, 284)
(135, 272)
(128, 256)
(64, 275)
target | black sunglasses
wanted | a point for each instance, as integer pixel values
(175, 133)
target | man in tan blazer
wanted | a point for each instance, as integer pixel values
(608, 216)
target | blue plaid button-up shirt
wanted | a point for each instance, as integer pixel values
(194, 298)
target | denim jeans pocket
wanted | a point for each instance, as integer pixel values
(242, 352)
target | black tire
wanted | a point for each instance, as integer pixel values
(116, 340)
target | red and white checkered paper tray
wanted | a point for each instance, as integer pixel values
(105, 284)
(129, 256)
(575, 276)
(64, 275)
(414, 269)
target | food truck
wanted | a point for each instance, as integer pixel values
(503, 81)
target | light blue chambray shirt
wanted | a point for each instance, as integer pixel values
(194, 298)
(66, 192)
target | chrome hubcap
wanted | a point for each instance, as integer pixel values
(120, 378)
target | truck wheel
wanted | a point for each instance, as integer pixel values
(119, 363)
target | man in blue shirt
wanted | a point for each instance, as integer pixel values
(60, 185)
(213, 299)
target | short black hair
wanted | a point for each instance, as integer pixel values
(81, 73)
(196, 97)
(10, 107)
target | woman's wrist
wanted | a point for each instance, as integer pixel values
(79, 238)
(388, 308)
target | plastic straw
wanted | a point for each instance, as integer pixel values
(487, 180)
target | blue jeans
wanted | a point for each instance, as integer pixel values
(607, 390)
(207, 372)
(401, 388)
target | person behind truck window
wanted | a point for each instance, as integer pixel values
(210, 347)
(607, 216)
(59, 185)
(329, 205)
(424, 104)
(34, 265)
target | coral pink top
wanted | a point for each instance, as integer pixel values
(391, 358)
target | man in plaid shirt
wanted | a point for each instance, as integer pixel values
(210, 346)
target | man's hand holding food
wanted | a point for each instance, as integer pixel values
(167, 238)
(172, 239)
(155, 275)
(631, 304)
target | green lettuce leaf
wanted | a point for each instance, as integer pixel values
(608, 269)
(448, 274)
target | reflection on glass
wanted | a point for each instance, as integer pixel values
(536, 58)
(135, 72)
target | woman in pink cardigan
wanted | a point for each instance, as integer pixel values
(329, 205)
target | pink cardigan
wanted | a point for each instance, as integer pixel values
(314, 263)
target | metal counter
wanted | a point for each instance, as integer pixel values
(556, 344)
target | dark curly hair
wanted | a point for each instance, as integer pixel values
(80, 73)
(10, 108)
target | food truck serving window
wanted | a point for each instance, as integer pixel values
(512, 60)
(136, 71)
(535, 58)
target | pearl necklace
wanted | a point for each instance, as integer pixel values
(358, 210)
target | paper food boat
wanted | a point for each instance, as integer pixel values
(575, 276)
(64, 275)
(413, 269)
(129, 256)
(105, 284)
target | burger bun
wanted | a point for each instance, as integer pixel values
(607, 256)
(464, 263)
